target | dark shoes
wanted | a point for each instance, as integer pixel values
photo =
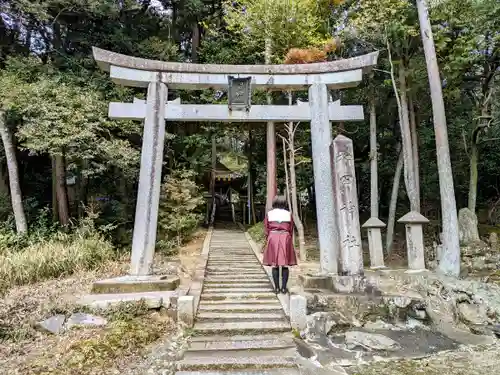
(282, 290)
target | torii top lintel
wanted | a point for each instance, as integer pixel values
(138, 72)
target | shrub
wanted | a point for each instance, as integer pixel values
(179, 208)
(257, 232)
(60, 255)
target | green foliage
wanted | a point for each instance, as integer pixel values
(179, 208)
(33, 258)
(130, 330)
(257, 232)
(378, 19)
(283, 24)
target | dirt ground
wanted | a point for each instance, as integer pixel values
(465, 361)
(24, 350)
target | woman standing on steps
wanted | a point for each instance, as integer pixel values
(279, 251)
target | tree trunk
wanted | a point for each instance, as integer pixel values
(373, 160)
(389, 240)
(61, 193)
(271, 141)
(249, 178)
(287, 183)
(195, 42)
(15, 187)
(251, 206)
(450, 259)
(55, 210)
(409, 166)
(473, 173)
(414, 144)
(293, 186)
(214, 168)
(4, 188)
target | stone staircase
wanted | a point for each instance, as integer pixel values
(240, 327)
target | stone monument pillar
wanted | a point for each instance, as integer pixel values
(321, 138)
(374, 226)
(148, 195)
(346, 197)
(413, 222)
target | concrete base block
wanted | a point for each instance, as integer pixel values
(315, 281)
(153, 300)
(353, 284)
(185, 311)
(298, 312)
(136, 284)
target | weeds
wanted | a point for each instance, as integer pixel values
(59, 254)
(131, 328)
(257, 232)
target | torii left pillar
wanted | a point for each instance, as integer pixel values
(141, 278)
(148, 196)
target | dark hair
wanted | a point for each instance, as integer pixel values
(280, 202)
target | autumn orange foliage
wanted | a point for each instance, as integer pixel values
(310, 55)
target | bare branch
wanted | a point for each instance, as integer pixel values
(464, 137)
(351, 132)
(489, 140)
(381, 70)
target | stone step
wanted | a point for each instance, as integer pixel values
(277, 371)
(254, 272)
(153, 300)
(232, 258)
(226, 251)
(234, 263)
(241, 328)
(247, 362)
(233, 316)
(234, 270)
(238, 278)
(238, 349)
(235, 284)
(270, 336)
(229, 295)
(245, 250)
(230, 289)
(248, 307)
(243, 301)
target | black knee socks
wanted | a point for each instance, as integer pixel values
(284, 278)
(276, 278)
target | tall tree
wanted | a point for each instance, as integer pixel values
(10, 88)
(450, 258)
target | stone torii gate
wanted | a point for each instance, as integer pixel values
(159, 76)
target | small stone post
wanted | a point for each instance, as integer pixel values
(185, 311)
(321, 138)
(298, 312)
(148, 195)
(414, 239)
(374, 227)
(346, 197)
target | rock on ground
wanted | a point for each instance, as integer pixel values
(465, 361)
(82, 319)
(54, 324)
(370, 341)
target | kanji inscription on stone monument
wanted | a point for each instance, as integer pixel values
(351, 254)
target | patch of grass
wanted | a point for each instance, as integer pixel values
(61, 255)
(257, 232)
(103, 350)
